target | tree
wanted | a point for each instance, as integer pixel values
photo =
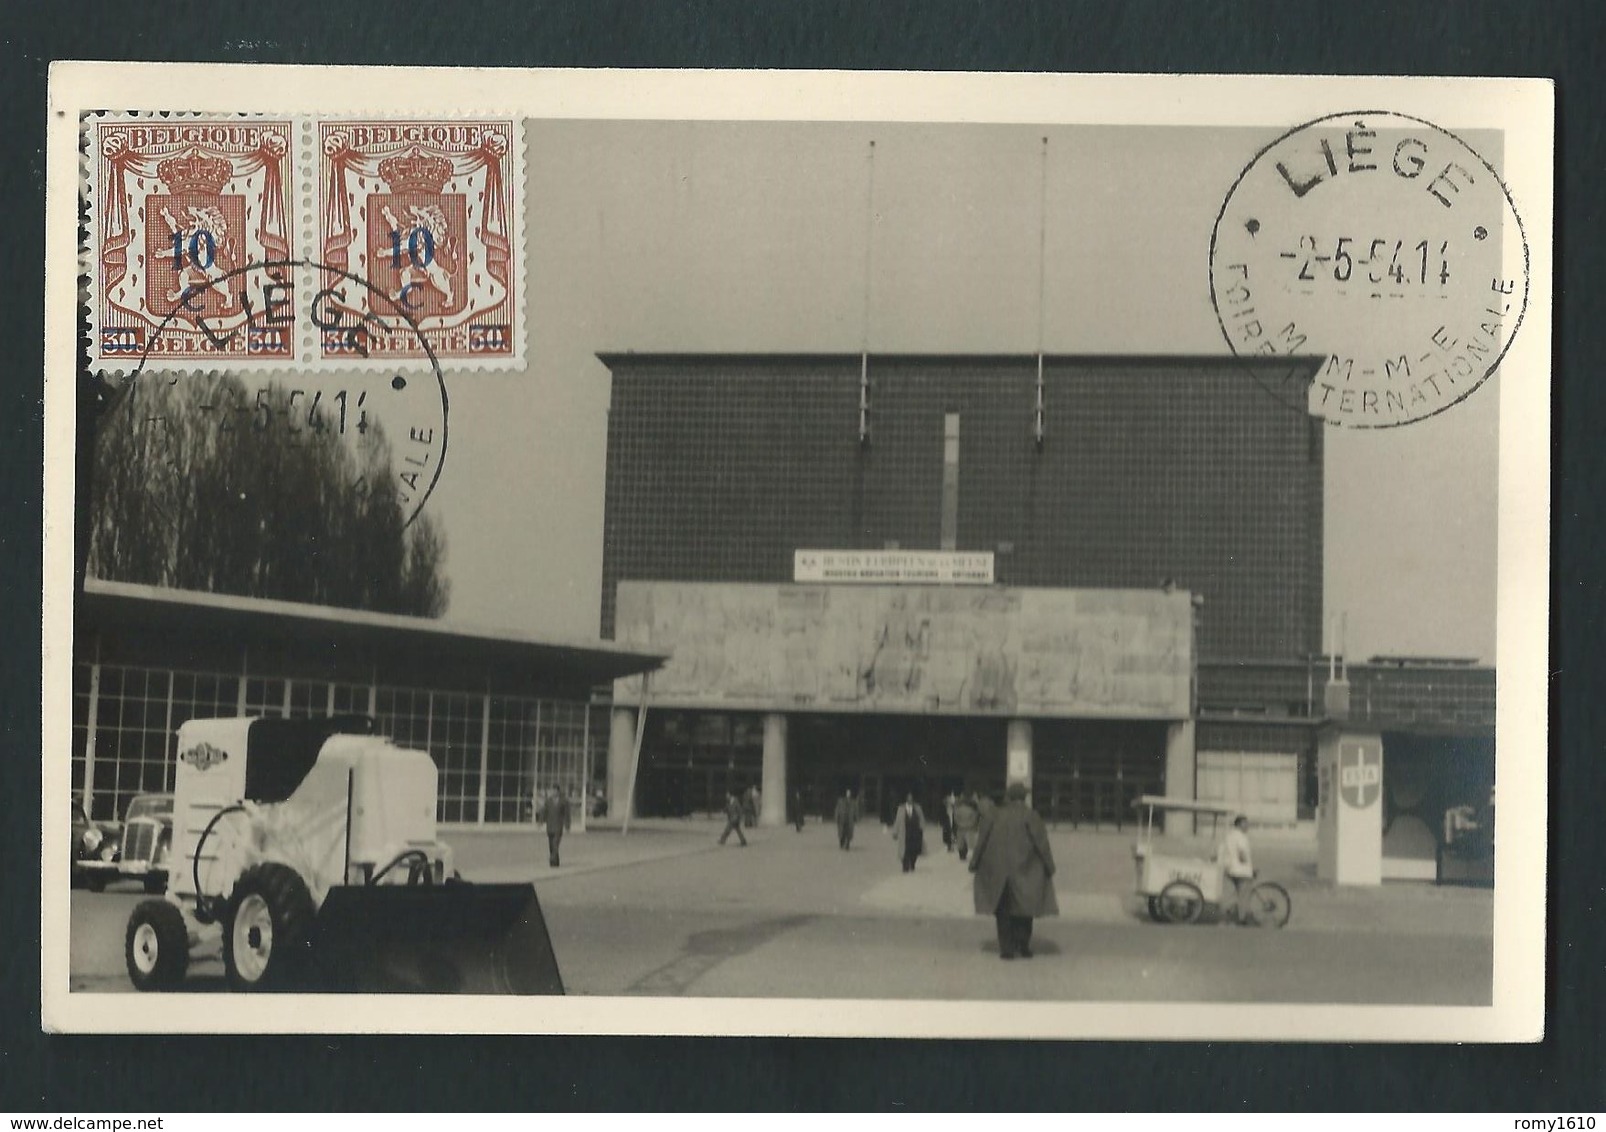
(198, 485)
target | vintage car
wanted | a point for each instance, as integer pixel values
(147, 841)
(94, 849)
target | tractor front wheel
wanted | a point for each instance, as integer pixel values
(266, 929)
(156, 946)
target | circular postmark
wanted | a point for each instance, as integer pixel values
(296, 409)
(1382, 248)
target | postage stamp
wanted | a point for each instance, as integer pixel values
(1382, 244)
(178, 206)
(426, 210)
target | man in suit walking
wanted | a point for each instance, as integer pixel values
(909, 831)
(733, 819)
(847, 816)
(555, 816)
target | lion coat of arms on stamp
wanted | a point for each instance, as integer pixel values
(193, 242)
(423, 212)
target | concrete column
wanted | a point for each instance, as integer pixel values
(1018, 753)
(1349, 806)
(1181, 769)
(621, 747)
(772, 804)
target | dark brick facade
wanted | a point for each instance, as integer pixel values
(1433, 698)
(720, 466)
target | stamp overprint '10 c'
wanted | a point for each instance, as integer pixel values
(422, 211)
(182, 208)
(214, 244)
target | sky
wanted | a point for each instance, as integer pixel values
(751, 237)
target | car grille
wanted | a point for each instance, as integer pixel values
(139, 841)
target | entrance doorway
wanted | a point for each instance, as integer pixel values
(1090, 772)
(886, 758)
(691, 760)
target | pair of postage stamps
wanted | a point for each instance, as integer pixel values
(305, 242)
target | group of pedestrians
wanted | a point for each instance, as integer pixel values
(1007, 850)
(1005, 847)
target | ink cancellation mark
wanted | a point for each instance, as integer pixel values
(1382, 245)
(302, 406)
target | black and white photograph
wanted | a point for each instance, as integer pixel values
(801, 553)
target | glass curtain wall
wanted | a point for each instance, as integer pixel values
(494, 753)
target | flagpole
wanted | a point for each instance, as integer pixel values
(1039, 412)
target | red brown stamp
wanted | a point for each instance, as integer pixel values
(428, 213)
(180, 208)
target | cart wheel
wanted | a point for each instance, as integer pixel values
(1181, 902)
(1156, 913)
(1269, 905)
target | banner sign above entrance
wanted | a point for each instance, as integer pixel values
(925, 567)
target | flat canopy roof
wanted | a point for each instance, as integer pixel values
(132, 607)
(1185, 805)
(1312, 362)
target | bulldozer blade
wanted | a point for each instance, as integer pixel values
(432, 939)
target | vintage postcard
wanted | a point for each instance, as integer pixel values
(953, 555)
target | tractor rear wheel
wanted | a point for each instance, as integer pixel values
(156, 947)
(266, 929)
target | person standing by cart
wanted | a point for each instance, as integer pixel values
(1014, 869)
(1238, 861)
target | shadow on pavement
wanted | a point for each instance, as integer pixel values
(706, 950)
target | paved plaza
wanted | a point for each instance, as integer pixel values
(666, 911)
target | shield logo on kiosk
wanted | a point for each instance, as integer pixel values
(1360, 774)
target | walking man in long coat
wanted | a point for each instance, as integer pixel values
(909, 832)
(555, 816)
(1014, 870)
(847, 816)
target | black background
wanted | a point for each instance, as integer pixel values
(1565, 1073)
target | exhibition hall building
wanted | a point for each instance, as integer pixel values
(920, 574)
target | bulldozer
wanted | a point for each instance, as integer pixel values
(311, 847)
